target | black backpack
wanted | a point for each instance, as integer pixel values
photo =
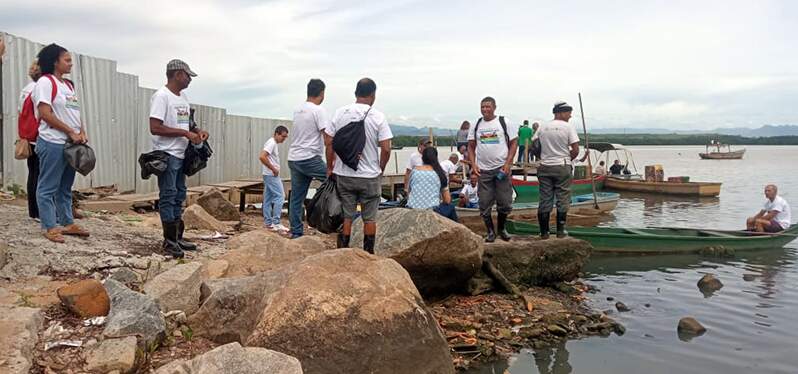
(504, 128)
(349, 141)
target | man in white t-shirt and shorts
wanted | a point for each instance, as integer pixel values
(361, 185)
(559, 146)
(492, 143)
(170, 115)
(775, 216)
(305, 154)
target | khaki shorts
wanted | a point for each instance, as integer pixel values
(366, 191)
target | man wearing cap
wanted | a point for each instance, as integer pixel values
(559, 146)
(171, 133)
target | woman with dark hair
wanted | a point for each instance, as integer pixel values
(57, 106)
(429, 184)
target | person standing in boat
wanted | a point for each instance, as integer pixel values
(775, 216)
(559, 146)
(492, 144)
(462, 134)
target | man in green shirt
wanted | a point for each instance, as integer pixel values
(524, 140)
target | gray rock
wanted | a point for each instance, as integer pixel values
(177, 288)
(259, 251)
(3, 255)
(621, 307)
(479, 284)
(538, 262)
(220, 208)
(133, 313)
(440, 255)
(234, 359)
(113, 354)
(195, 217)
(708, 284)
(126, 276)
(689, 327)
(19, 328)
(557, 330)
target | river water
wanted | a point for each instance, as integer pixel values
(752, 321)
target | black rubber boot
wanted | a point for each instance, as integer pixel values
(343, 240)
(491, 237)
(186, 246)
(543, 222)
(501, 230)
(170, 244)
(368, 243)
(561, 218)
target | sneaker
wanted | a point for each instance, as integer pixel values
(280, 227)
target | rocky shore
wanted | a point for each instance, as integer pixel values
(433, 299)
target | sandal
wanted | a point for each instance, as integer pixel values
(75, 230)
(54, 235)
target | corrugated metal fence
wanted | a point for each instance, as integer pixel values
(115, 111)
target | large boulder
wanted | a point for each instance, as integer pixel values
(19, 327)
(234, 359)
(264, 250)
(440, 255)
(86, 298)
(177, 288)
(133, 313)
(534, 262)
(328, 309)
(218, 206)
(196, 218)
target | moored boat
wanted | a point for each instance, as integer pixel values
(667, 239)
(701, 189)
(718, 154)
(529, 191)
(581, 204)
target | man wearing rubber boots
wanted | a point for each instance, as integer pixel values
(492, 144)
(559, 146)
(171, 133)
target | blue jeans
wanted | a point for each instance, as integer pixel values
(302, 173)
(521, 149)
(273, 198)
(172, 186)
(54, 191)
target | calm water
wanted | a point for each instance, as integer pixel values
(751, 322)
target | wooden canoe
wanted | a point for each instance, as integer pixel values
(669, 188)
(529, 191)
(581, 204)
(665, 240)
(736, 155)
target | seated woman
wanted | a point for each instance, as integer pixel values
(429, 186)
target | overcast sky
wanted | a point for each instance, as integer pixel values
(672, 64)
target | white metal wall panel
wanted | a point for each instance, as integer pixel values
(126, 122)
(236, 158)
(143, 139)
(211, 119)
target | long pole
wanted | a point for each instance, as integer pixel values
(587, 152)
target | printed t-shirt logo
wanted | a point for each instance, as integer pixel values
(489, 136)
(182, 115)
(72, 102)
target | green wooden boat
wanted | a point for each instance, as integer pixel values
(529, 191)
(666, 239)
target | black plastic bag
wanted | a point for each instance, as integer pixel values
(196, 158)
(324, 211)
(80, 157)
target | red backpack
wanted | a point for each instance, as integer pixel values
(28, 124)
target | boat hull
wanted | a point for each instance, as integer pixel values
(665, 240)
(736, 155)
(705, 189)
(582, 204)
(529, 191)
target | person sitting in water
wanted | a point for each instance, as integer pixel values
(600, 169)
(468, 195)
(616, 168)
(774, 216)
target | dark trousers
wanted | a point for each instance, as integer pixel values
(495, 191)
(555, 181)
(33, 181)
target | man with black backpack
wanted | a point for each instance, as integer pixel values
(170, 118)
(358, 146)
(492, 144)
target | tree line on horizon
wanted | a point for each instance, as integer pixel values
(638, 139)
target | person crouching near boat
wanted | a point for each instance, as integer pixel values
(775, 215)
(469, 195)
(559, 146)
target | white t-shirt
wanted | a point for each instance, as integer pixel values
(174, 111)
(27, 90)
(377, 130)
(784, 218)
(65, 106)
(448, 167)
(309, 120)
(274, 156)
(470, 193)
(491, 152)
(600, 170)
(556, 138)
(414, 160)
